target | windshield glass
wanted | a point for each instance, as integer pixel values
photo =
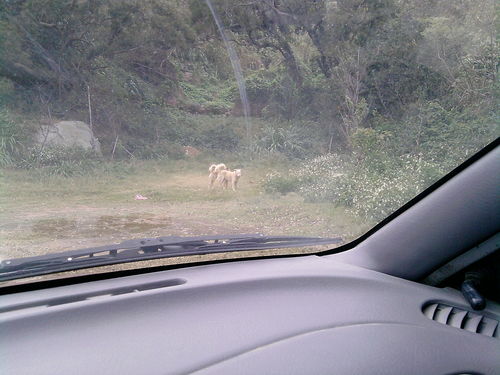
(123, 119)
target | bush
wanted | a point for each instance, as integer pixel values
(9, 142)
(322, 177)
(211, 98)
(286, 138)
(261, 84)
(217, 136)
(58, 160)
(278, 183)
(7, 91)
(142, 149)
(370, 190)
(374, 193)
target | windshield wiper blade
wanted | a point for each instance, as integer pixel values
(147, 249)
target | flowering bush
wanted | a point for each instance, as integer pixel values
(368, 191)
(374, 194)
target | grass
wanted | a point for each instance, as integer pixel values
(49, 214)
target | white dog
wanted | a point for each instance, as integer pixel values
(227, 177)
(214, 171)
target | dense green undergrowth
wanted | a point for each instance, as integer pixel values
(383, 172)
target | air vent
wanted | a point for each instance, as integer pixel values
(94, 295)
(463, 319)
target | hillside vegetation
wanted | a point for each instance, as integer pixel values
(369, 101)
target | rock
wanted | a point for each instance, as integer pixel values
(69, 134)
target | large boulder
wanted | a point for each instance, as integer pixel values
(69, 134)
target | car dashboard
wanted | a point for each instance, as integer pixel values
(297, 315)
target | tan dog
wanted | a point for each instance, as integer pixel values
(214, 171)
(229, 177)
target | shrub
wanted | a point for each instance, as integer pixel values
(206, 131)
(261, 84)
(286, 138)
(370, 190)
(374, 193)
(7, 91)
(322, 177)
(9, 142)
(58, 160)
(218, 136)
(210, 97)
(149, 150)
(278, 183)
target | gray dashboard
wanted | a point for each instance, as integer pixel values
(304, 315)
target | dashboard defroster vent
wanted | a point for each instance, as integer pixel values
(463, 319)
(104, 293)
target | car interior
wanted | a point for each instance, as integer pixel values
(418, 294)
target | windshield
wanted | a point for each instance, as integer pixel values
(137, 119)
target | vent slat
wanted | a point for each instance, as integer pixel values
(442, 314)
(456, 320)
(472, 322)
(462, 319)
(497, 331)
(430, 310)
(487, 327)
